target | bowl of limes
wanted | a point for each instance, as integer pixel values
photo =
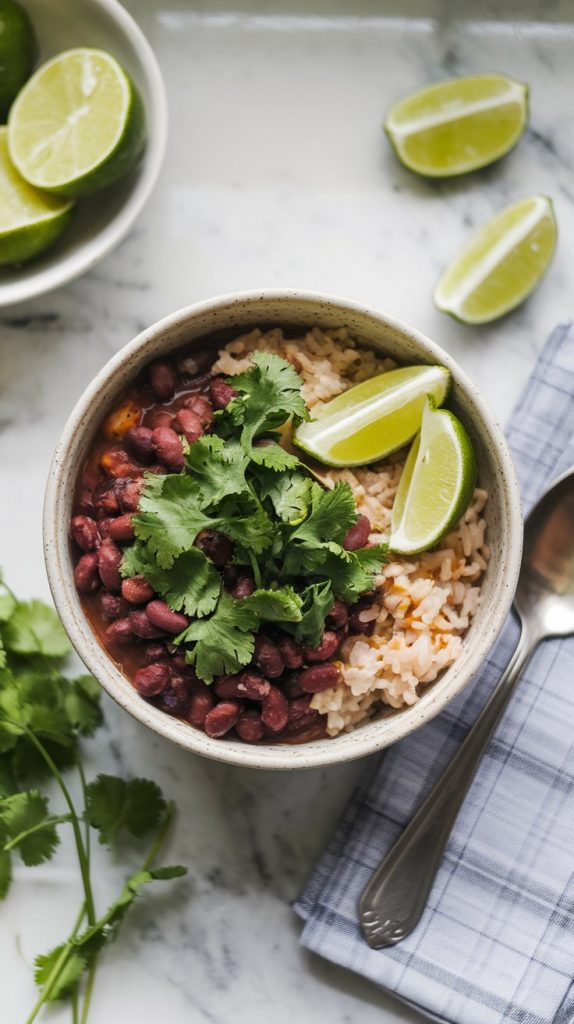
(83, 124)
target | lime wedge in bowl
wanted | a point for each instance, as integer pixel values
(436, 484)
(374, 418)
(78, 124)
(501, 264)
(30, 221)
(459, 125)
(17, 51)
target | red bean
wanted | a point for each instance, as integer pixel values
(292, 688)
(358, 535)
(137, 590)
(361, 619)
(200, 704)
(168, 448)
(155, 652)
(112, 606)
(275, 710)
(221, 393)
(291, 653)
(195, 362)
(201, 406)
(175, 699)
(109, 560)
(121, 529)
(152, 680)
(85, 533)
(104, 527)
(222, 718)
(326, 649)
(250, 727)
(300, 714)
(106, 500)
(188, 423)
(139, 441)
(162, 379)
(338, 616)
(246, 685)
(243, 587)
(86, 575)
(119, 632)
(267, 657)
(318, 678)
(116, 463)
(159, 418)
(128, 492)
(160, 615)
(85, 503)
(216, 546)
(142, 626)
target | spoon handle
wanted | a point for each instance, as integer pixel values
(394, 899)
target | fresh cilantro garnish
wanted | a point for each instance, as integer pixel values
(43, 715)
(192, 584)
(218, 467)
(269, 393)
(289, 494)
(316, 603)
(170, 516)
(332, 514)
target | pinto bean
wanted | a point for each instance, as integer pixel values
(162, 379)
(243, 587)
(86, 575)
(121, 529)
(221, 393)
(358, 534)
(168, 448)
(200, 704)
(137, 590)
(85, 533)
(250, 727)
(138, 440)
(128, 492)
(318, 678)
(326, 649)
(275, 710)
(119, 632)
(245, 685)
(188, 423)
(160, 615)
(291, 653)
(152, 680)
(216, 546)
(109, 560)
(201, 406)
(267, 657)
(142, 626)
(119, 422)
(113, 607)
(301, 715)
(222, 718)
(338, 616)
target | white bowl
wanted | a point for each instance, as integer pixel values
(101, 221)
(383, 332)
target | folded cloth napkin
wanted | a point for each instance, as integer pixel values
(496, 942)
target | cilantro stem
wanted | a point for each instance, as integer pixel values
(255, 567)
(47, 823)
(89, 990)
(75, 1006)
(57, 968)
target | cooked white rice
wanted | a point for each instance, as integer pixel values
(424, 605)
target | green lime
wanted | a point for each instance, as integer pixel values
(436, 484)
(374, 418)
(501, 264)
(78, 125)
(459, 125)
(17, 52)
(29, 220)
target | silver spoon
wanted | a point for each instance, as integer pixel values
(395, 897)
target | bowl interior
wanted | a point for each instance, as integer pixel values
(102, 220)
(496, 474)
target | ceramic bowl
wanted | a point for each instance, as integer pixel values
(101, 221)
(238, 313)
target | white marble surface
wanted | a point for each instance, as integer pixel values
(277, 174)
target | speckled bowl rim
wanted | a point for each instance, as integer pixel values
(77, 434)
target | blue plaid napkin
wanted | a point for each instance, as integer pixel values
(496, 942)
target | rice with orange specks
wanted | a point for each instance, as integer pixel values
(422, 606)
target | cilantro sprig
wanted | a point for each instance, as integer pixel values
(287, 530)
(43, 717)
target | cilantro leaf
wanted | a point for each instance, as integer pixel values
(316, 603)
(34, 628)
(218, 468)
(82, 705)
(170, 518)
(246, 522)
(192, 584)
(269, 392)
(350, 572)
(289, 493)
(66, 980)
(113, 803)
(7, 603)
(282, 605)
(332, 514)
(223, 643)
(274, 457)
(25, 817)
(5, 870)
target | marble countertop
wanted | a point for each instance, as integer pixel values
(277, 174)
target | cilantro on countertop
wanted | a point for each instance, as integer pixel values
(43, 716)
(287, 529)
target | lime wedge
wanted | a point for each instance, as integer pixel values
(501, 264)
(458, 125)
(17, 51)
(436, 484)
(373, 418)
(29, 220)
(78, 125)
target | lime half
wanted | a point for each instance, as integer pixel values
(78, 125)
(459, 125)
(373, 418)
(30, 221)
(501, 264)
(436, 484)
(17, 51)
